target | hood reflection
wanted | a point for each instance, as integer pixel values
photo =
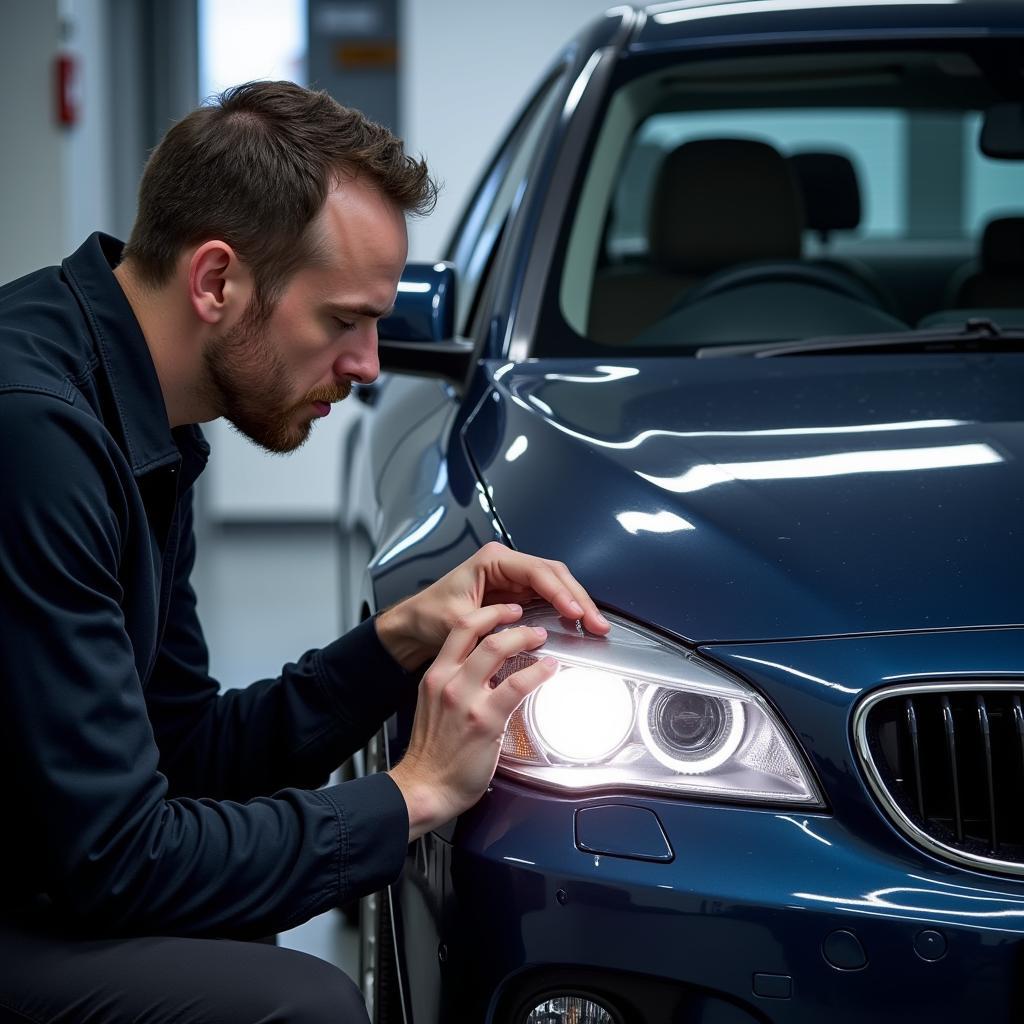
(898, 460)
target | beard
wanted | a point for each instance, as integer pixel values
(252, 387)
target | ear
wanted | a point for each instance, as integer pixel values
(219, 285)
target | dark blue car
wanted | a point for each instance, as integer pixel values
(733, 326)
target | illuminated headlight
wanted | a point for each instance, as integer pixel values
(582, 717)
(632, 711)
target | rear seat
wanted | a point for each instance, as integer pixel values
(830, 192)
(831, 197)
(996, 280)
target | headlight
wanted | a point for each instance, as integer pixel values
(632, 711)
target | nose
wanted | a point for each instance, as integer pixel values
(359, 362)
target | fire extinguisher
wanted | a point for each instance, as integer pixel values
(66, 68)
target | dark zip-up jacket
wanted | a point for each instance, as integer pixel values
(145, 801)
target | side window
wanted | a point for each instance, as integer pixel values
(476, 239)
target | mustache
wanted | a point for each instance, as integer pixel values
(329, 393)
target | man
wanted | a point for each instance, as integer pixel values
(151, 821)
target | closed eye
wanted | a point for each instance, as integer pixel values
(344, 325)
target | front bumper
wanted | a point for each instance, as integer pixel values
(736, 928)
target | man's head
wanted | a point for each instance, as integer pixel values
(283, 213)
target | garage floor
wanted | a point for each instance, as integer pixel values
(266, 594)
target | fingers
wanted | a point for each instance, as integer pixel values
(466, 663)
(494, 650)
(576, 600)
(518, 686)
(470, 627)
(549, 580)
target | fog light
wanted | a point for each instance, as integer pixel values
(570, 1010)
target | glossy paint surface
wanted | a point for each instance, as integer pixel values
(749, 890)
(740, 21)
(752, 890)
(425, 305)
(765, 498)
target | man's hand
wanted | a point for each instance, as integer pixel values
(460, 718)
(414, 630)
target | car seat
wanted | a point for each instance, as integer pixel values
(832, 202)
(996, 280)
(718, 206)
(830, 192)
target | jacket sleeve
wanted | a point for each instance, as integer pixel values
(290, 731)
(112, 849)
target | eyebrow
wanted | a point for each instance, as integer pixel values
(364, 310)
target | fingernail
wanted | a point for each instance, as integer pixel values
(540, 631)
(514, 608)
(576, 608)
(549, 662)
(602, 620)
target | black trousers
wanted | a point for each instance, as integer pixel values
(49, 979)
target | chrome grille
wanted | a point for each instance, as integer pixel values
(947, 763)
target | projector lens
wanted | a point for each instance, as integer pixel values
(690, 732)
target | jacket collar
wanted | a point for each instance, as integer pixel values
(149, 442)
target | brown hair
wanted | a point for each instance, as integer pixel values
(254, 169)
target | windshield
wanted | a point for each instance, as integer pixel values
(774, 198)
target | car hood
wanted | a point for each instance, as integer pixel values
(752, 499)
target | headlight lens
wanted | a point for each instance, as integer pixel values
(690, 732)
(582, 717)
(632, 711)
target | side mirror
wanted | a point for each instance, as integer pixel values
(425, 305)
(1002, 131)
(419, 336)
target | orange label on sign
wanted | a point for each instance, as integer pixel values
(364, 55)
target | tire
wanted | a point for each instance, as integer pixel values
(378, 969)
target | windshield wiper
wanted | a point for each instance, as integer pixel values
(976, 335)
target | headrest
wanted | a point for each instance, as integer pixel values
(1002, 246)
(723, 201)
(828, 185)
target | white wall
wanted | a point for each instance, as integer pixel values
(32, 202)
(243, 483)
(466, 66)
(87, 157)
(55, 181)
